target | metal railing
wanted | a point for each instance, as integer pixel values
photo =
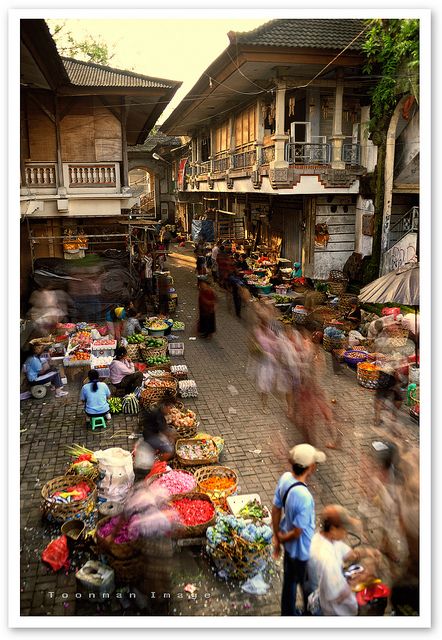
(267, 154)
(408, 222)
(202, 168)
(41, 174)
(351, 154)
(221, 162)
(307, 153)
(245, 157)
(92, 175)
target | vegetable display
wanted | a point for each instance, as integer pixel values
(154, 360)
(178, 326)
(154, 342)
(253, 509)
(136, 338)
(115, 404)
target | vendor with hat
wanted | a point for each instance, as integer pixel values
(293, 521)
(328, 555)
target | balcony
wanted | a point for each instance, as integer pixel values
(244, 156)
(41, 175)
(308, 153)
(203, 168)
(351, 154)
(267, 154)
(78, 177)
(91, 175)
(409, 222)
(221, 162)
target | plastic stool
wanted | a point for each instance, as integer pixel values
(98, 421)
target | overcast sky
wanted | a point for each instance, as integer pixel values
(173, 49)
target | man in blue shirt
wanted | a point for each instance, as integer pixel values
(294, 530)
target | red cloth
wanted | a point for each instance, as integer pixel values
(57, 553)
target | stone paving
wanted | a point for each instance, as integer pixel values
(256, 446)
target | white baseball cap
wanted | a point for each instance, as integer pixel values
(305, 455)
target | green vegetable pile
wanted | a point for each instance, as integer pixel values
(252, 509)
(154, 342)
(115, 405)
(136, 338)
(157, 360)
(281, 299)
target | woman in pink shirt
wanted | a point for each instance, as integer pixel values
(122, 372)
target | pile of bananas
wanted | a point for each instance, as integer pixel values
(115, 405)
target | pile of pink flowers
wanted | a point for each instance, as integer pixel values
(175, 482)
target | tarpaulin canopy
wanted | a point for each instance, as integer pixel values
(401, 286)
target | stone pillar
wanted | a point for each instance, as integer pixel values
(368, 149)
(313, 111)
(279, 166)
(337, 138)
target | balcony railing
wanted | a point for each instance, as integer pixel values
(244, 157)
(203, 168)
(307, 153)
(92, 175)
(351, 154)
(41, 174)
(267, 154)
(221, 162)
(408, 222)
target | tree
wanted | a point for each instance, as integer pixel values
(392, 50)
(89, 49)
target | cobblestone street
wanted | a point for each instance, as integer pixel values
(256, 446)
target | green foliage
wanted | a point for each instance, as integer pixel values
(88, 49)
(392, 50)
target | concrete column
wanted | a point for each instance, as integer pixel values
(280, 137)
(232, 141)
(313, 111)
(337, 138)
(259, 133)
(368, 149)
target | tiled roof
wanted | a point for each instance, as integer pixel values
(309, 33)
(90, 74)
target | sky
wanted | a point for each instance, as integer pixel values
(172, 49)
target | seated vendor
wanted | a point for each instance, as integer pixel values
(241, 262)
(41, 372)
(95, 394)
(355, 312)
(122, 372)
(158, 434)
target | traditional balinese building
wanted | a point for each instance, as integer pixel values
(279, 139)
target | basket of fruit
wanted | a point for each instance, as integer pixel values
(178, 326)
(371, 376)
(216, 481)
(156, 390)
(157, 362)
(67, 497)
(195, 451)
(184, 421)
(157, 328)
(195, 513)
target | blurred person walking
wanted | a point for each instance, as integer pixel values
(293, 522)
(206, 305)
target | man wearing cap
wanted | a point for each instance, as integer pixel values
(328, 554)
(296, 528)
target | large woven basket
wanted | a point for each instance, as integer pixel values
(346, 303)
(337, 276)
(314, 298)
(133, 351)
(195, 461)
(107, 545)
(62, 512)
(299, 317)
(185, 531)
(240, 559)
(324, 314)
(204, 473)
(156, 476)
(187, 432)
(331, 344)
(337, 288)
(158, 394)
(127, 570)
(371, 378)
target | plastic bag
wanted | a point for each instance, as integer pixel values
(116, 466)
(57, 553)
(256, 585)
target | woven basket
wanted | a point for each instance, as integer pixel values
(109, 547)
(372, 378)
(337, 288)
(156, 367)
(240, 559)
(323, 314)
(154, 477)
(133, 351)
(187, 432)
(314, 298)
(345, 303)
(204, 473)
(146, 352)
(331, 344)
(62, 512)
(195, 461)
(343, 325)
(299, 318)
(157, 394)
(185, 531)
(337, 276)
(94, 475)
(127, 570)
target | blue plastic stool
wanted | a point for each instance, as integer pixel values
(98, 421)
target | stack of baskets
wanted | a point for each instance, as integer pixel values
(154, 394)
(60, 512)
(371, 376)
(333, 344)
(337, 283)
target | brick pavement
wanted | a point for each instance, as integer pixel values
(256, 447)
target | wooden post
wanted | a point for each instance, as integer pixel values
(58, 141)
(125, 176)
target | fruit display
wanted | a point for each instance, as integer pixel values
(104, 343)
(136, 338)
(279, 299)
(188, 389)
(154, 343)
(82, 338)
(157, 383)
(178, 326)
(157, 325)
(178, 418)
(115, 405)
(80, 356)
(157, 360)
(101, 362)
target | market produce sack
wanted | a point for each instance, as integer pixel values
(57, 553)
(130, 404)
(117, 471)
